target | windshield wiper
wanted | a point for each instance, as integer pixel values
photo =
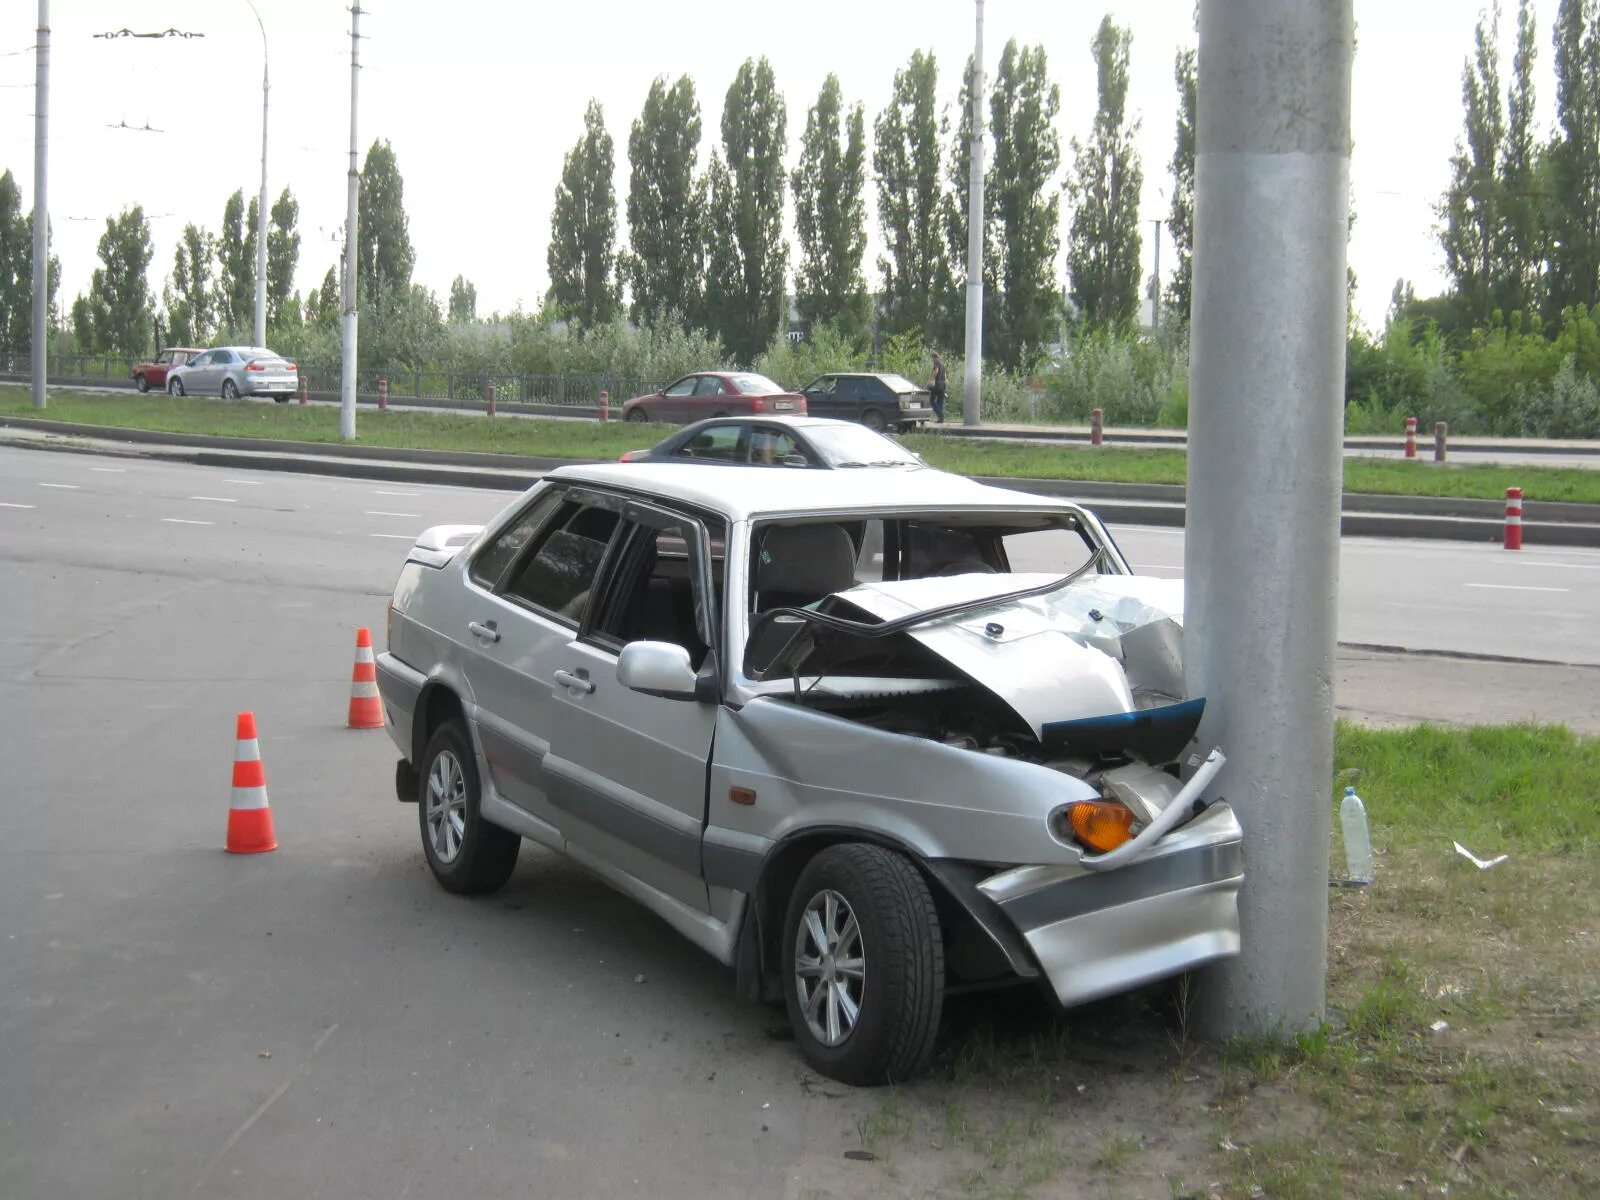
(912, 620)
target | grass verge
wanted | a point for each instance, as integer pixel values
(1460, 1056)
(412, 430)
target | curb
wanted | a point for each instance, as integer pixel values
(1162, 505)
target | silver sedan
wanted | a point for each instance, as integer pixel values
(821, 725)
(235, 371)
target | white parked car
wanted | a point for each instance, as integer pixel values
(862, 736)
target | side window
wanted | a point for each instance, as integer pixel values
(824, 387)
(491, 562)
(200, 361)
(869, 558)
(709, 385)
(557, 576)
(876, 389)
(166, 356)
(769, 446)
(683, 387)
(849, 389)
(718, 443)
(653, 592)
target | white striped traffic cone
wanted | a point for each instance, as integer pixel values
(249, 818)
(366, 709)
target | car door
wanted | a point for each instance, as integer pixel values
(770, 445)
(708, 400)
(198, 379)
(715, 444)
(821, 397)
(527, 588)
(674, 404)
(628, 770)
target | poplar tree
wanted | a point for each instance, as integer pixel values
(463, 300)
(830, 213)
(1180, 220)
(913, 207)
(1574, 210)
(116, 314)
(1473, 231)
(1103, 245)
(190, 295)
(665, 262)
(384, 256)
(582, 256)
(236, 264)
(747, 255)
(283, 255)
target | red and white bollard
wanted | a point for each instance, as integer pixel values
(1513, 519)
(605, 407)
(490, 395)
(1096, 427)
(1411, 437)
(1440, 431)
(383, 395)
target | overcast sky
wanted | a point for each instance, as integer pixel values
(481, 99)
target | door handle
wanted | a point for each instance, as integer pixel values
(484, 630)
(578, 681)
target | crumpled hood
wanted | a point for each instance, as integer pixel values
(1103, 646)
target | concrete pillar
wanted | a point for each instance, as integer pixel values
(1266, 409)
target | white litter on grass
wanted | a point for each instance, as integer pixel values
(1439, 1026)
(1472, 858)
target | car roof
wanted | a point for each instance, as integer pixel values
(761, 419)
(742, 493)
(182, 350)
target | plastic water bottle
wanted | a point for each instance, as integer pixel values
(1357, 841)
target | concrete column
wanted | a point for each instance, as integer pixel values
(1266, 409)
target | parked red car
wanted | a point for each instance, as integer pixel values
(714, 394)
(147, 375)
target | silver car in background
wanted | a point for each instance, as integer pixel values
(235, 371)
(864, 737)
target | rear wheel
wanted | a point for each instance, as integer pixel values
(230, 390)
(174, 387)
(140, 382)
(864, 965)
(467, 855)
(280, 399)
(637, 415)
(873, 420)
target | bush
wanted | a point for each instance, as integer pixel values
(1568, 408)
(1130, 377)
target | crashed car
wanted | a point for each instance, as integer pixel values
(865, 739)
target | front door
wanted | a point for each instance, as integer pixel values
(628, 770)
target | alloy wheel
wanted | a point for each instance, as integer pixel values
(446, 806)
(830, 968)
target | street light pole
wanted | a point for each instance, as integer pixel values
(347, 367)
(41, 213)
(972, 405)
(261, 204)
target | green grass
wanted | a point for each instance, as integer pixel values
(408, 429)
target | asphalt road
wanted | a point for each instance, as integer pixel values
(324, 1020)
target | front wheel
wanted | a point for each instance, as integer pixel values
(230, 390)
(873, 420)
(864, 965)
(467, 855)
(174, 387)
(637, 415)
(140, 382)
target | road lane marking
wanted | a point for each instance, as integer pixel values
(1571, 566)
(111, 470)
(245, 482)
(1515, 587)
(7, 504)
(405, 536)
(381, 492)
(183, 521)
(66, 487)
(376, 512)
(217, 499)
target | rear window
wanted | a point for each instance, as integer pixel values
(755, 385)
(899, 383)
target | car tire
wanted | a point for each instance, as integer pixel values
(873, 420)
(637, 415)
(280, 399)
(230, 390)
(174, 387)
(140, 382)
(883, 911)
(467, 854)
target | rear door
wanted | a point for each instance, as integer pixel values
(528, 588)
(627, 770)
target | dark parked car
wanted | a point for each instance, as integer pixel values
(778, 442)
(713, 394)
(877, 401)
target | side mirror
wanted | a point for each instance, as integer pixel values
(657, 669)
(795, 460)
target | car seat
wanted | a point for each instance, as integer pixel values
(798, 565)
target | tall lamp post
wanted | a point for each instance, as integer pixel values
(261, 204)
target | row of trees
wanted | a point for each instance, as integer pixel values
(706, 248)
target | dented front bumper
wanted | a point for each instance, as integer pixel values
(1098, 933)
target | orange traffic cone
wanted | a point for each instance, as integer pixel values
(249, 818)
(366, 710)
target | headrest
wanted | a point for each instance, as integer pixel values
(811, 560)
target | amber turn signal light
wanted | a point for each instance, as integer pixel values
(1100, 825)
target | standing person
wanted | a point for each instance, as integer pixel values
(938, 388)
